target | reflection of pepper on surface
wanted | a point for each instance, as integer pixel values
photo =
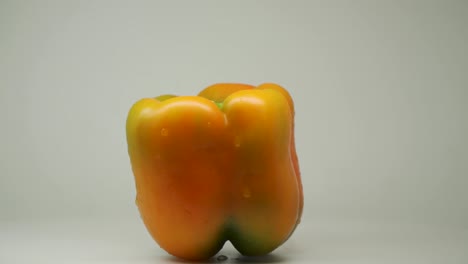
(215, 167)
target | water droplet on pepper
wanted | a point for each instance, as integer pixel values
(164, 132)
(246, 193)
(237, 142)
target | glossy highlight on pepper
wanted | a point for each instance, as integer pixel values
(216, 167)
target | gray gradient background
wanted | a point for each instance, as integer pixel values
(381, 94)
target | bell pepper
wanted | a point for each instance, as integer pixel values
(216, 167)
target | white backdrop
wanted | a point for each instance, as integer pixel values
(381, 93)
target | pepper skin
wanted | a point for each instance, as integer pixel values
(216, 167)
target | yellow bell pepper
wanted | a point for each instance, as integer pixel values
(216, 167)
